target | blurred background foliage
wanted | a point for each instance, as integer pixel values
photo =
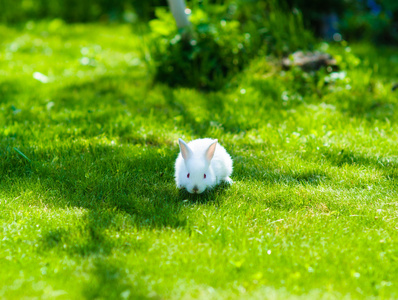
(355, 19)
(225, 34)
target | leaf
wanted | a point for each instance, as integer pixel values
(20, 153)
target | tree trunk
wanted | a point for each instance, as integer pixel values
(177, 8)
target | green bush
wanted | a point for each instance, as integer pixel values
(203, 56)
(221, 42)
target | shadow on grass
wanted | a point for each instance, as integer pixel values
(367, 106)
(340, 157)
(270, 172)
(199, 115)
(116, 89)
(212, 105)
(111, 281)
(84, 240)
(107, 182)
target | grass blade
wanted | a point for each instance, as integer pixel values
(20, 153)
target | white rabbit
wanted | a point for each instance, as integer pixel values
(202, 164)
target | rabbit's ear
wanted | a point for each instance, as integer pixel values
(185, 150)
(210, 151)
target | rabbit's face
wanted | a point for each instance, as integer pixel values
(198, 177)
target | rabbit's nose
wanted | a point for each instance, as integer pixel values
(195, 189)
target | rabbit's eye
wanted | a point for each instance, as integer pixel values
(204, 176)
(188, 175)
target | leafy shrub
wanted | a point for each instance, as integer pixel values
(204, 56)
(219, 45)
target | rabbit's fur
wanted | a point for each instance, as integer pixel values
(206, 162)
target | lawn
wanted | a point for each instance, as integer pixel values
(88, 203)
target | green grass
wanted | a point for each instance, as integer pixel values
(88, 204)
